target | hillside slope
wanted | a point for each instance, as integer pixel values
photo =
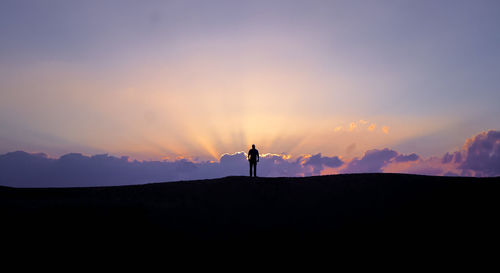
(337, 207)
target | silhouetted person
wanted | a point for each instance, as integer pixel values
(253, 158)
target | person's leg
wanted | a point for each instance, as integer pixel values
(255, 169)
(250, 168)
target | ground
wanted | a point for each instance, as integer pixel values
(352, 208)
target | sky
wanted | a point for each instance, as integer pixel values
(197, 80)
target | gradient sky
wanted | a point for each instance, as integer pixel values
(197, 79)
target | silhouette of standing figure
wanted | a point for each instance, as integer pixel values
(253, 158)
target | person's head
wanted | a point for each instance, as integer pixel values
(253, 146)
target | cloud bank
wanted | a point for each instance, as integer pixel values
(480, 156)
(21, 169)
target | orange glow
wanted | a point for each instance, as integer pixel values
(192, 108)
(208, 147)
(283, 156)
(352, 126)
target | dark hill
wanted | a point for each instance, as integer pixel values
(356, 207)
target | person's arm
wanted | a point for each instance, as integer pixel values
(258, 158)
(248, 155)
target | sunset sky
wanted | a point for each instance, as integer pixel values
(164, 80)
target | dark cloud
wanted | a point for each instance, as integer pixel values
(21, 169)
(372, 162)
(318, 162)
(276, 165)
(483, 154)
(234, 164)
(456, 157)
(406, 158)
(447, 158)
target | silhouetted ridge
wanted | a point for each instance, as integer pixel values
(338, 207)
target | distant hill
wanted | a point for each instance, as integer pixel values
(335, 208)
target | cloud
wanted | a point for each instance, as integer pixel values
(352, 126)
(372, 127)
(234, 164)
(458, 157)
(361, 125)
(372, 162)
(447, 158)
(375, 161)
(279, 165)
(318, 162)
(406, 158)
(21, 169)
(482, 154)
(428, 166)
